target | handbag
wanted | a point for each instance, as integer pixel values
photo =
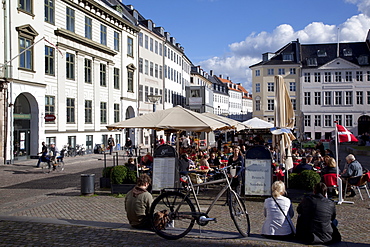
(290, 224)
(195, 178)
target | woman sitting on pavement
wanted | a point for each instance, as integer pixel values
(278, 211)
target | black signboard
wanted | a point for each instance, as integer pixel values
(163, 151)
(258, 152)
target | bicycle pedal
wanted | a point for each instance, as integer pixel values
(205, 219)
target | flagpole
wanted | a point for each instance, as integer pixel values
(339, 180)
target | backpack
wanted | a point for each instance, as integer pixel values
(161, 219)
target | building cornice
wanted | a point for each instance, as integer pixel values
(83, 41)
(27, 82)
(118, 21)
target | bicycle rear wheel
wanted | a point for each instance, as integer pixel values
(45, 167)
(180, 210)
(60, 166)
(239, 214)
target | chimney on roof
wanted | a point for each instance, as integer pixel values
(220, 76)
(211, 72)
(228, 78)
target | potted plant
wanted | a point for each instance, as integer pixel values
(105, 179)
(123, 179)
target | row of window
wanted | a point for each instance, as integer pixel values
(156, 47)
(336, 98)
(89, 145)
(271, 104)
(220, 99)
(169, 96)
(88, 70)
(150, 44)
(235, 105)
(71, 110)
(149, 68)
(338, 76)
(271, 87)
(328, 120)
(281, 71)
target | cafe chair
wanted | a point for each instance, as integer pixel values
(331, 181)
(362, 184)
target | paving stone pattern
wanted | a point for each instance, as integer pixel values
(38, 209)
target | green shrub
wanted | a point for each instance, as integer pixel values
(309, 179)
(293, 181)
(122, 175)
(305, 180)
(107, 171)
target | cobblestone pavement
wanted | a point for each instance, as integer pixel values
(38, 209)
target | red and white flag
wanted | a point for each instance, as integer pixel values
(344, 135)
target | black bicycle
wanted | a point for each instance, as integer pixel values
(178, 213)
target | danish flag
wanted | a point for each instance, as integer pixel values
(344, 135)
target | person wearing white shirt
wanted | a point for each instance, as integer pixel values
(278, 211)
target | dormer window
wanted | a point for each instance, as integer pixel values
(363, 60)
(347, 52)
(288, 57)
(311, 61)
(321, 53)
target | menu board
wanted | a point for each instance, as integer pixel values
(258, 177)
(163, 173)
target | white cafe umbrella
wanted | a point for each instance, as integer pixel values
(176, 118)
(284, 119)
(231, 122)
(256, 123)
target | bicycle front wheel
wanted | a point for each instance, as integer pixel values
(239, 214)
(60, 166)
(180, 210)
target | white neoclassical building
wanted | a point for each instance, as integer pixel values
(72, 71)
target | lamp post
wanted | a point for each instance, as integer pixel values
(154, 99)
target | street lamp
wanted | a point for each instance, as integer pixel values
(154, 99)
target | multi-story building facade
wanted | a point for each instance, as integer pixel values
(235, 99)
(199, 95)
(164, 69)
(84, 81)
(220, 96)
(326, 82)
(335, 87)
(150, 77)
(284, 62)
(247, 104)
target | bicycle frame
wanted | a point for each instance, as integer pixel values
(222, 191)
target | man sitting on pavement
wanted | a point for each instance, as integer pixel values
(316, 223)
(138, 202)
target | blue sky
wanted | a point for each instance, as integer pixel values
(227, 36)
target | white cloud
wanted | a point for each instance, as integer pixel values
(242, 54)
(362, 5)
